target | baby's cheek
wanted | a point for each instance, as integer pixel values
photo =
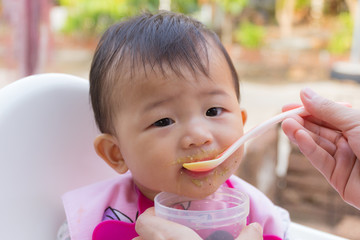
(234, 161)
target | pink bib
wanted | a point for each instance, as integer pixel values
(123, 202)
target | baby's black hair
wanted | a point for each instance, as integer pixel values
(164, 39)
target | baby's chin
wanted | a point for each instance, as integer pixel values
(198, 194)
(199, 189)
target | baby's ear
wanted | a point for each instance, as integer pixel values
(107, 148)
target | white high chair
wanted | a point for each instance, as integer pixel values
(46, 149)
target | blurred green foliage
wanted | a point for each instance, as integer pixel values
(250, 35)
(93, 17)
(340, 41)
(301, 4)
(232, 6)
(185, 6)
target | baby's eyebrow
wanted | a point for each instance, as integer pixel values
(214, 92)
(219, 94)
(161, 101)
(154, 104)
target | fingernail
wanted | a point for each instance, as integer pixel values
(257, 226)
(308, 93)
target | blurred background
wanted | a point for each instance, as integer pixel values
(278, 47)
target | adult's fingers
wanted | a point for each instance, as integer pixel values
(326, 110)
(324, 137)
(290, 106)
(346, 119)
(151, 227)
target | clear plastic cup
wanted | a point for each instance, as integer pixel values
(221, 215)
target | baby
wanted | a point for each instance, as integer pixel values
(164, 92)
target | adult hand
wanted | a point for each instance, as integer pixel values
(252, 231)
(330, 139)
(151, 227)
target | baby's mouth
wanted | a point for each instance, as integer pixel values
(201, 156)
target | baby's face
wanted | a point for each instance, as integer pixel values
(169, 121)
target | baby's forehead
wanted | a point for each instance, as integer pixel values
(133, 68)
(132, 74)
(133, 64)
(161, 74)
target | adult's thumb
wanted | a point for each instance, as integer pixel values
(253, 231)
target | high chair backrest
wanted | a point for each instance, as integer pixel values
(46, 148)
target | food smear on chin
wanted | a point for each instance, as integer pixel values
(197, 182)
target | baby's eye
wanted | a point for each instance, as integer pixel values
(214, 111)
(163, 122)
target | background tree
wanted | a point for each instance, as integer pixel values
(231, 9)
(29, 21)
(284, 13)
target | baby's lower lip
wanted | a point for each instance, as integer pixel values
(196, 174)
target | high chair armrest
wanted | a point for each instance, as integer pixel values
(301, 232)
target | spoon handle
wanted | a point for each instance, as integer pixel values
(207, 165)
(261, 128)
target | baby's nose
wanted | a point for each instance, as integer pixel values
(196, 136)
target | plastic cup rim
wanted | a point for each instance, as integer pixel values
(243, 196)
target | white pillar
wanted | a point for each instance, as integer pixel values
(355, 47)
(317, 8)
(165, 5)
